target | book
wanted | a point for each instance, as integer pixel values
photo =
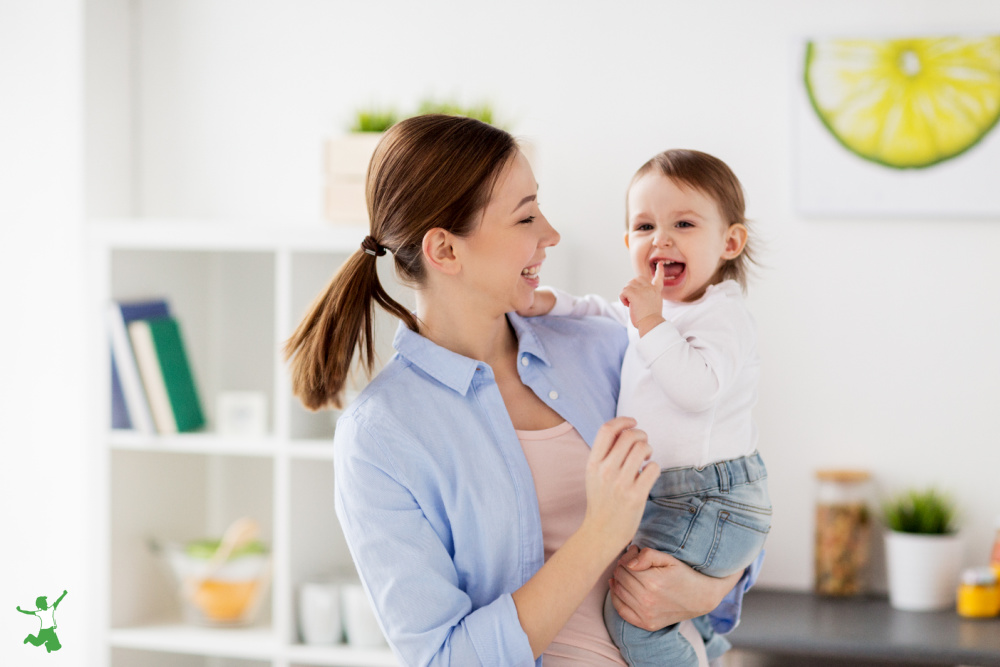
(119, 409)
(129, 406)
(166, 375)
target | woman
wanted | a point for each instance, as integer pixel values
(474, 543)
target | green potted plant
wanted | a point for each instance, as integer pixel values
(483, 111)
(923, 549)
(347, 158)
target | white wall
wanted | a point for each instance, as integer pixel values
(878, 336)
(44, 472)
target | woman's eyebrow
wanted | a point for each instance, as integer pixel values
(525, 201)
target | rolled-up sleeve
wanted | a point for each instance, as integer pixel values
(403, 555)
(726, 616)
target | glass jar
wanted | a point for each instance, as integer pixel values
(843, 531)
(978, 593)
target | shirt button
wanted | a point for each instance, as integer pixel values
(553, 394)
(524, 360)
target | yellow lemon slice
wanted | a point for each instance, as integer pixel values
(906, 103)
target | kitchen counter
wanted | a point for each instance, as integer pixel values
(791, 624)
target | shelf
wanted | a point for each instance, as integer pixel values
(341, 655)
(210, 443)
(156, 234)
(312, 449)
(194, 443)
(255, 643)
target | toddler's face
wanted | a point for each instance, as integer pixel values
(682, 227)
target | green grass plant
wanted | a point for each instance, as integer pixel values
(483, 112)
(374, 120)
(926, 512)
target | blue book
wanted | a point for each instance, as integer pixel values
(132, 409)
(119, 410)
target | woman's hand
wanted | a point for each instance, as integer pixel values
(652, 590)
(617, 482)
(644, 301)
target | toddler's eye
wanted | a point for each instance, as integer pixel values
(684, 223)
(643, 227)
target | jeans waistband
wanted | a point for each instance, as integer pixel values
(721, 475)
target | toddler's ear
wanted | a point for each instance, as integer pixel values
(736, 240)
(626, 239)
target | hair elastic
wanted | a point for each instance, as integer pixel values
(372, 247)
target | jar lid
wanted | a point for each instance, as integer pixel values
(979, 576)
(843, 475)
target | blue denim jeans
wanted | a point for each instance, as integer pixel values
(715, 519)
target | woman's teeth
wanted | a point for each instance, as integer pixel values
(530, 272)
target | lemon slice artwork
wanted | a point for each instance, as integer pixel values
(906, 103)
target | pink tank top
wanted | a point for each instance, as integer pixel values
(558, 460)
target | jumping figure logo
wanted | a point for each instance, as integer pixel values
(47, 615)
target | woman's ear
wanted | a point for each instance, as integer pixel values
(439, 252)
(736, 240)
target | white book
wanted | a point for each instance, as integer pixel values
(124, 358)
(148, 362)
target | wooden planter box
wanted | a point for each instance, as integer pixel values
(347, 159)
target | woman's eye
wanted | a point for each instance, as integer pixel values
(530, 218)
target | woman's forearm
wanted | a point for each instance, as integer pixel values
(547, 601)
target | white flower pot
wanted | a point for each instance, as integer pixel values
(923, 570)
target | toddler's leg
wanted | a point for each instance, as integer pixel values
(641, 648)
(715, 644)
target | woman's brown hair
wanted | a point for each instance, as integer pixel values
(428, 172)
(713, 177)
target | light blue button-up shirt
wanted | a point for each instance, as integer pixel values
(435, 496)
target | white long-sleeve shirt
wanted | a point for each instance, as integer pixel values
(691, 382)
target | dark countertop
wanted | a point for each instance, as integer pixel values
(862, 628)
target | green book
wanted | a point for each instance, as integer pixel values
(166, 375)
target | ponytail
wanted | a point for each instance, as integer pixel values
(323, 346)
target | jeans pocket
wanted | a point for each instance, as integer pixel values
(739, 536)
(667, 523)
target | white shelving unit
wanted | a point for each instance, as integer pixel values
(238, 290)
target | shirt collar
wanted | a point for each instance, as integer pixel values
(452, 369)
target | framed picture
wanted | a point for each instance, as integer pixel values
(898, 127)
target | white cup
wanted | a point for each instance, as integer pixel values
(319, 613)
(360, 625)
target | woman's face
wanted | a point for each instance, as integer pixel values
(502, 258)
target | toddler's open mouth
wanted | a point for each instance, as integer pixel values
(671, 270)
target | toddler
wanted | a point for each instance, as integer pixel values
(689, 377)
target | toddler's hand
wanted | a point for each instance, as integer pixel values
(544, 302)
(644, 301)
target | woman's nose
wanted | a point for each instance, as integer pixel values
(550, 237)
